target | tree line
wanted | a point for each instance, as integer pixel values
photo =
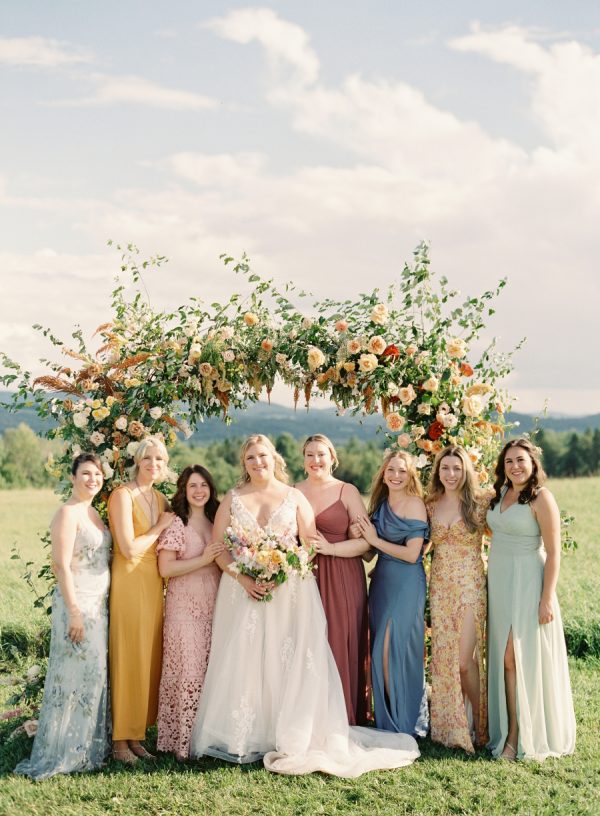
(23, 456)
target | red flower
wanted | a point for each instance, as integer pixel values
(466, 370)
(436, 429)
(391, 351)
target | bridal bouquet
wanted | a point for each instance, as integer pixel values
(266, 556)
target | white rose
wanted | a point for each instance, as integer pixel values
(108, 455)
(421, 461)
(121, 423)
(107, 470)
(229, 356)
(132, 448)
(80, 419)
(226, 333)
(97, 438)
(156, 412)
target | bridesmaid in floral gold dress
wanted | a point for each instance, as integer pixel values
(457, 507)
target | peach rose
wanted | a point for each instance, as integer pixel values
(376, 345)
(379, 314)
(267, 345)
(456, 347)
(407, 395)
(315, 358)
(404, 440)
(341, 326)
(353, 346)
(466, 370)
(500, 407)
(425, 444)
(136, 429)
(411, 350)
(349, 366)
(431, 384)
(417, 431)
(424, 408)
(367, 362)
(205, 369)
(395, 422)
(250, 319)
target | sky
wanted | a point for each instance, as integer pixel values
(326, 140)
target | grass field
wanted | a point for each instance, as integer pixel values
(442, 782)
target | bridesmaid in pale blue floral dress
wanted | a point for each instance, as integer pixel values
(74, 723)
(398, 533)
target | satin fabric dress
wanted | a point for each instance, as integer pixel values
(343, 588)
(544, 701)
(272, 689)
(397, 602)
(74, 723)
(135, 633)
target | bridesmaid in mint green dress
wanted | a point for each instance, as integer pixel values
(530, 707)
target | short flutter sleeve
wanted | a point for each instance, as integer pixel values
(173, 538)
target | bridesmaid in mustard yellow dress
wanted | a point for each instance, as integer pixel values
(456, 508)
(138, 515)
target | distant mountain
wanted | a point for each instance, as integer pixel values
(260, 417)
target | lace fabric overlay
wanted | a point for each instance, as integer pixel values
(186, 639)
(272, 688)
(74, 723)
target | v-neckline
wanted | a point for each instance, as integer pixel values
(271, 514)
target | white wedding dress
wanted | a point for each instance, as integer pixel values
(272, 689)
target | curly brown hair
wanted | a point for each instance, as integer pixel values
(180, 503)
(538, 477)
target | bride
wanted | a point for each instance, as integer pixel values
(272, 689)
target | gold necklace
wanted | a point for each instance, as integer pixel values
(149, 503)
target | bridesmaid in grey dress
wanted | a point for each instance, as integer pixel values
(73, 728)
(530, 707)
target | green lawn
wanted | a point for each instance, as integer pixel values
(442, 782)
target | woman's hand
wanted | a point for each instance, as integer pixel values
(164, 520)
(255, 590)
(354, 530)
(545, 613)
(75, 628)
(367, 530)
(214, 550)
(321, 545)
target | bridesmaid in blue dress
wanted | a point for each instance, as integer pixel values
(74, 723)
(397, 532)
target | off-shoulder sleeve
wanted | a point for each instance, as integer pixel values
(417, 529)
(173, 537)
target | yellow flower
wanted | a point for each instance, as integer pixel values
(367, 362)
(349, 366)
(110, 401)
(353, 346)
(315, 358)
(472, 406)
(379, 314)
(100, 413)
(478, 389)
(376, 345)
(250, 319)
(132, 382)
(395, 422)
(96, 403)
(456, 347)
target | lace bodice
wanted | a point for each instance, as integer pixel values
(282, 520)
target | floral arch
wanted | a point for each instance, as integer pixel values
(403, 352)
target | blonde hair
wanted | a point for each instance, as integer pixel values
(324, 440)
(379, 489)
(152, 442)
(280, 471)
(469, 490)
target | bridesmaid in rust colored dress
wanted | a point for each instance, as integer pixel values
(340, 572)
(457, 594)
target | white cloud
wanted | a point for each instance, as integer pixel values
(218, 170)
(115, 90)
(39, 52)
(286, 44)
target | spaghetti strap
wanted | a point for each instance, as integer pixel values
(341, 489)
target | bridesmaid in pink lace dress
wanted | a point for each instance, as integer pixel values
(186, 555)
(340, 572)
